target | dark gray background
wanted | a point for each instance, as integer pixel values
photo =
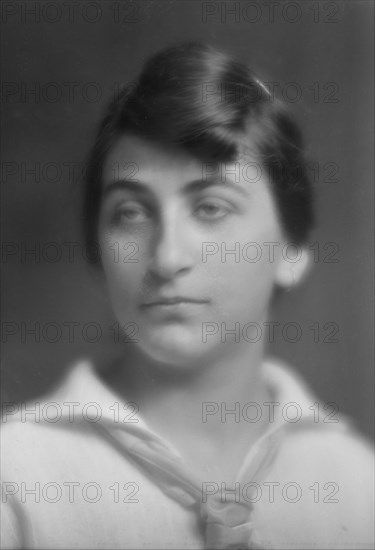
(331, 42)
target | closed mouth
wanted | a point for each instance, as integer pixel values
(174, 301)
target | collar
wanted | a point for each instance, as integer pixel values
(291, 408)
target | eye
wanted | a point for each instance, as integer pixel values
(130, 213)
(212, 210)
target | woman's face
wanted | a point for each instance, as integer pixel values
(175, 236)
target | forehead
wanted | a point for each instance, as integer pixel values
(133, 156)
(168, 169)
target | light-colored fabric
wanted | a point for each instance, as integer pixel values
(80, 473)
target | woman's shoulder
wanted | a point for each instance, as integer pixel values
(324, 464)
(324, 471)
(316, 433)
(67, 418)
(34, 429)
(79, 393)
(35, 411)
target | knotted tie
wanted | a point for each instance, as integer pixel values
(227, 525)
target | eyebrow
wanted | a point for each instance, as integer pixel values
(189, 188)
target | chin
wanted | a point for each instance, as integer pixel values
(175, 347)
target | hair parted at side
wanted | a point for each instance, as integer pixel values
(213, 107)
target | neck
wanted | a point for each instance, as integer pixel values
(199, 411)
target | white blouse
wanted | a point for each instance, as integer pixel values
(82, 470)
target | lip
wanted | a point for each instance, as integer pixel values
(174, 301)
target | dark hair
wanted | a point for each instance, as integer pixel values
(214, 107)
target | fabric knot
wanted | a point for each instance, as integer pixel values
(228, 524)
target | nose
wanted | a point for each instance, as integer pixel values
(171, 253)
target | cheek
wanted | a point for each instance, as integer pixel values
(123, 266)
(243, 271)
(249, 271)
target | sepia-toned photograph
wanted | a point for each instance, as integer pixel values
(187, 260)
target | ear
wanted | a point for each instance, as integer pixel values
(295, 263)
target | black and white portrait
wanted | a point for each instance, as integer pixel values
(187, 267)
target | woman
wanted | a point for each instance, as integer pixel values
(196, 187)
